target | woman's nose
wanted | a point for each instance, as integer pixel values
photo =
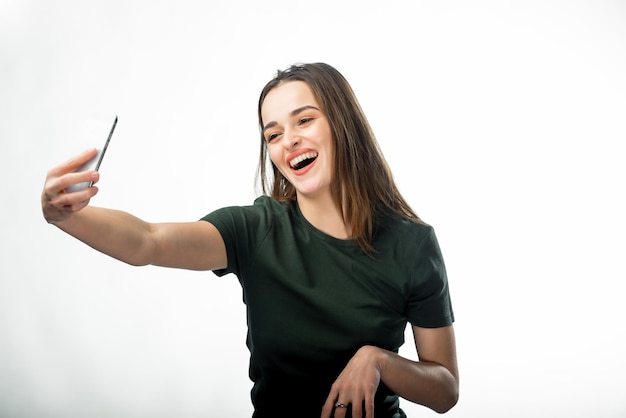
(291, 139)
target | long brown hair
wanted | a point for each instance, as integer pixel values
(362, 184)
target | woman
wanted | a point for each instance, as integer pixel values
(333, 263)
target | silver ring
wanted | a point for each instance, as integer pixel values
(340, 405)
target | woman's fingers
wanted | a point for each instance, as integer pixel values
(57, 205)
(359, 401)
(71, 179)
(56, 202)
(73, 163)
(355, 386)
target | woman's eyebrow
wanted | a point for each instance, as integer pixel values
(293, 113)
(302, 109)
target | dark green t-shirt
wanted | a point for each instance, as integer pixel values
(313, 300)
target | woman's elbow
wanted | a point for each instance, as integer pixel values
(448, 401)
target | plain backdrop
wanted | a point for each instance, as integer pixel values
(503, 122)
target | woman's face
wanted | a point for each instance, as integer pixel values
(298, 136)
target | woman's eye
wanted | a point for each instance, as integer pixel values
(304, 120)
(271, 137)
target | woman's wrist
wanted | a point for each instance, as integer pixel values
(376, 356)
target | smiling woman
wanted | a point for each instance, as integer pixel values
(361, 177)
(299, 140)
(333, 261)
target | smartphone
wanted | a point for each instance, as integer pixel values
(94, 163)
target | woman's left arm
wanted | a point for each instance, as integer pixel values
(433, 381)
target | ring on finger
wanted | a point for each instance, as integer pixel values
(340, 405)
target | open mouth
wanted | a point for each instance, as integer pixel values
(303, 160)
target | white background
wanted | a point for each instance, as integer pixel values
(503, 122)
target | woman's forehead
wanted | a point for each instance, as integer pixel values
(286, 97)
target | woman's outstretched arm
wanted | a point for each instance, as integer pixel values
(190, 245)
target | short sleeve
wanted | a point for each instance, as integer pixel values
(429, 304)
(242, 228)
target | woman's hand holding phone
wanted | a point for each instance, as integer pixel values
(57, 203)
(69, 186)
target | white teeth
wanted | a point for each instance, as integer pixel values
(301, 158)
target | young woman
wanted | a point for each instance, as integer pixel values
(333, 262)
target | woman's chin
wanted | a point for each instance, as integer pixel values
(310, 189)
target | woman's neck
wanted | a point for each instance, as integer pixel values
(323, 214)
